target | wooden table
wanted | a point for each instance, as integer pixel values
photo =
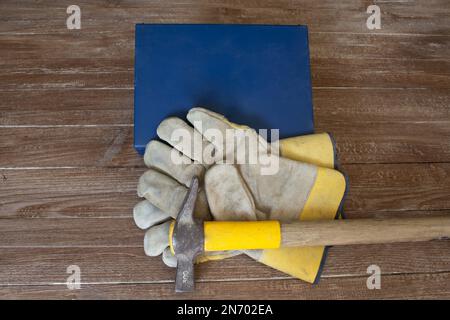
(68, 171)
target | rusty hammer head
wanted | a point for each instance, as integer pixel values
(187, 240)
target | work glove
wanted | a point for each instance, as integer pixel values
(240, 192)
(165, 185)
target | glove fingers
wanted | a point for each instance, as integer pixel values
(157, 239)
(243, 146)
(203, 119)
(162, 191)
(228, 196)
(146, 214)
(168, 258)
(168, 160)
(168, 194)
(209, 123)
(187, 140)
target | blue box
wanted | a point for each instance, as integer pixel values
(258, 75)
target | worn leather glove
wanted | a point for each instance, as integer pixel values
(241, 192)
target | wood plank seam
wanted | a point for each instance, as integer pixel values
(325, 277)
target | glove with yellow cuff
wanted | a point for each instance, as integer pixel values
(297, 190)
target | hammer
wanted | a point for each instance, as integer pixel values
(190, 237)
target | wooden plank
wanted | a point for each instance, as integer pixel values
(61, 107)
(379, 73)
(346, 107)
(45, 266)
(111, 192)
(421, 17)
(59, 193)
(73, 79)
(326, 72)
(379, 46)
(71, 52)
(407, 142)
(409, 286)
(106, 61)
(68, 146)
(93, 205)
(333, 108)
(399, 187)
(86, 232)
(357, 142)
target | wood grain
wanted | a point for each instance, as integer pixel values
(114, 52)
(68, 171)
(424, 286)
(87, 232)
(119, 232)
(46, 266)
(74, 79)
(332, 107)
(377, 73)
(60, 107)
(398, 187)
(68, 233)
(59, 193)
(363, 231)
(365, 142)
(68, 146)
(99, 61)
(341, 107)
(423, 17)
(111, 192)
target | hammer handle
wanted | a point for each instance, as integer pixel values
(364, 231)
(234, 235)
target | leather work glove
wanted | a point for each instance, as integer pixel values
(240, 192)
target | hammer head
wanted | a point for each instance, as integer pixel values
(187, 240)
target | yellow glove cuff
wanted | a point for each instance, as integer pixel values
(315, 148)
(323, 203)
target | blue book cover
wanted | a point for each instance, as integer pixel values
(258, 75)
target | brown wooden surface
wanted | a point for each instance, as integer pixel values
(68, 172)
(402, 286)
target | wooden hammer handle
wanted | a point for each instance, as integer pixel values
(363, 231)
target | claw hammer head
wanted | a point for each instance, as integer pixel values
(187, 240)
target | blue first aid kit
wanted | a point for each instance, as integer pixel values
(258, 75)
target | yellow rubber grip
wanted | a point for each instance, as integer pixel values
(241, 235)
